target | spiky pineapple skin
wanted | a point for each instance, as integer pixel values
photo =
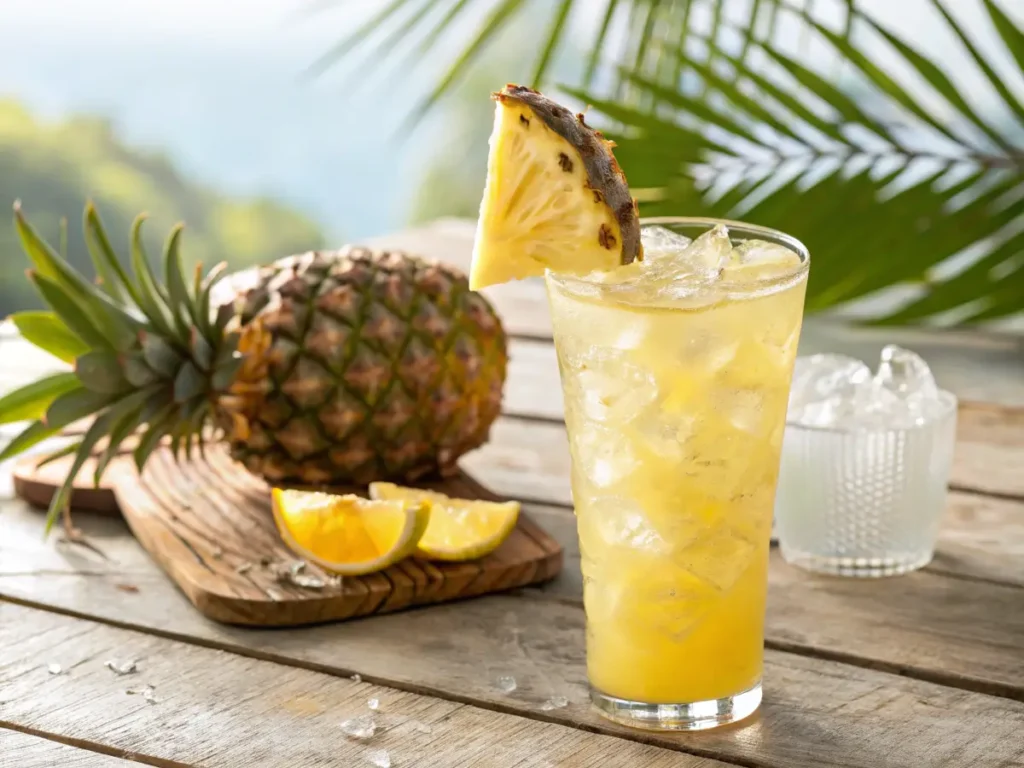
(362, 365)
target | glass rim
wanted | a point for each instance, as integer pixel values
(950, 404)
(758, 231)
(732, 289)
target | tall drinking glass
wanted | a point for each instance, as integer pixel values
(675, 387)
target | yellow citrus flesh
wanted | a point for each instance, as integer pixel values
(538, 210)
(348, 534)
(459, 529)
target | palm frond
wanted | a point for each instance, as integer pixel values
(931, 200)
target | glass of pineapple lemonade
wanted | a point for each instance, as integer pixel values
(675, 373)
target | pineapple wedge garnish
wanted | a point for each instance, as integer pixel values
(555, 196)
(459, 529)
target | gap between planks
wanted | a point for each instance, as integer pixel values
(68, 752)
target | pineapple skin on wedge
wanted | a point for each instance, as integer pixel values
(555, 196)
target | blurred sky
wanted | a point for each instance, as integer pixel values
(218, 86)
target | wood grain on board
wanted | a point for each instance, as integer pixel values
(24, 750)
(816, 712)
(207, 522)
(222, 710)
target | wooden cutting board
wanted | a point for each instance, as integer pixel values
(208, 523)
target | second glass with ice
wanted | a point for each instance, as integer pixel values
(676, 371)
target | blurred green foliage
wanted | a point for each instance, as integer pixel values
(53, 168)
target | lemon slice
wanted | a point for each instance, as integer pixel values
(459, 529)
(348, 534)
(555, 197)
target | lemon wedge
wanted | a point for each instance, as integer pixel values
(459, 529)
(348, 534)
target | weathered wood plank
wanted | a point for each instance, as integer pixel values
(458, 651)
(218, 709)
(990, 438)
(22, 750)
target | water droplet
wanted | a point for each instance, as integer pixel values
(507, 684)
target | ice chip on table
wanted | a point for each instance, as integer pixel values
(760, 260)
(840, 391)
(506, 684)
(555, 702)
(659, 242)
(362, 727)
(379, 758)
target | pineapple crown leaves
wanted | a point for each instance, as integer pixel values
(148, 355)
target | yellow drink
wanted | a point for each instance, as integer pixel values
(676, 384)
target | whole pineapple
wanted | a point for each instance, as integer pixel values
(338, 367)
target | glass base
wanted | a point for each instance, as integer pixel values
(696, 716)
(864, 567)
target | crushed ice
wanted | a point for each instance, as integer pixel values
(506, 684)
(55, 669)
(373, 704)
(379, 758)
(356, 678)
(841, 391)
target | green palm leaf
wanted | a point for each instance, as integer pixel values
(889, 185)
(872, 218)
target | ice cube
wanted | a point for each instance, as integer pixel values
(618, 521)
(613, 389)
(709, 252)
(55, 669)
(719, 558)
(821, 383)
(838, 391)
(373, 704)
(906, 373)
(506, 684)
(602, 456)
(866, 404)
(662, 241)
(379, 758)
(760, 260)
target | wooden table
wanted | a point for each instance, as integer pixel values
(917, 671)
